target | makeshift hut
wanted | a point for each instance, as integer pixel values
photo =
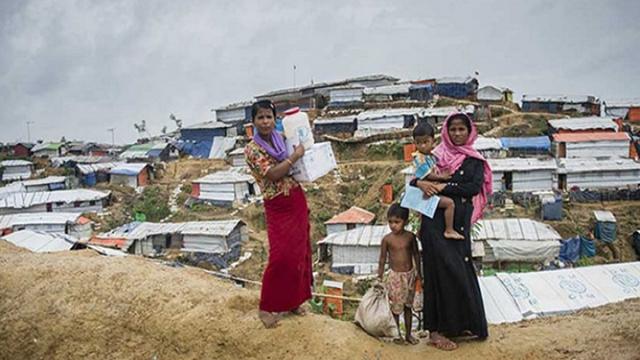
(350, 219)
(517, 240)
(490, 148)
(16, 169)
(236, 158)
(77, 200)
(50, 183)
(225, 188)
(346, 96)
(490, 94)
(130, 174)
(436, 116)
(457, 87)
(526, 146)
(591, 173)
(556, 104)
(21, 149)
(91, 174)
(605, 227)
(583, 124)
(387, 92)
(422, 91)
(198, 139)
(49, 150)
(523, 174)
(235, 115)
(149, 152)
(354, 251)
(42, 242)
(222, 239)
(337, 125)
(66, 223)
(592, 144)
(385, 120)
(623, 109)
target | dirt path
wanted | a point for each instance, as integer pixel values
(81, 305)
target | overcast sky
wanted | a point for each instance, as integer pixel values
(77, 68)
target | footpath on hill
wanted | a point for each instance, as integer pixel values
(80, 305)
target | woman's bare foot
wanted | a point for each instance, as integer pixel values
(269, 320)
(300, 311)
(441, 342)
(453, 235)
(411, 340)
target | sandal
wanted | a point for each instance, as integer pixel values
(442, 343)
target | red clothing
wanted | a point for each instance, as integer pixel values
(287, 280)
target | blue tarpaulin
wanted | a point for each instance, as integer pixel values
(606, 231)
(574, 248)
(526, 143)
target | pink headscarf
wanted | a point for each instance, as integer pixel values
(450, 158)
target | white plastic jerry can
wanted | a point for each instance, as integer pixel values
(297, 129)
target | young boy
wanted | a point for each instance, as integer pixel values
(425, 161)
(401, 248)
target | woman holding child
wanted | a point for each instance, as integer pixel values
(287, 279)
(452, 300)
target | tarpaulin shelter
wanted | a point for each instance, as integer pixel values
(605, 227)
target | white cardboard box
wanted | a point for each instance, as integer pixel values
(316, 162)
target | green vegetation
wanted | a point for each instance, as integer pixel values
(152, 203)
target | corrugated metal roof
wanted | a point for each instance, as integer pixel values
(590, 136)
(487, 143)
(26, 200)
(623, 103)
(40, 241)
(130, 169)
(514, 229)
(335, 120)
(21, 186)
(232, 175)
(454, 80)
(604, 216)
(574, 99)
(388, 89)
(384, 113)
(353, 215)
(80, 159)
(447, 110)
(91, 168)
(46, 146)
(578, 165)
(522, 164)
(141, 151)
(46, 218)
(137, 231)
(8, 163)
(531, 142)
(208, 125)
(235, 106)
(584, 123)
(367, 235)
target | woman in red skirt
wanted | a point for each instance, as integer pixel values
(287, 280)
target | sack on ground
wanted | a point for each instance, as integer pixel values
(374, 314)
(418, 298)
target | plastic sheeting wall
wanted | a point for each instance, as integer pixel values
(515, 297)
(590, 149)
(603, 179)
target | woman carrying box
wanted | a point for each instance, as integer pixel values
(287, 279)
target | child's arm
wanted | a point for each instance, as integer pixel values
(416, 257)
(435, 176)
(383, 258)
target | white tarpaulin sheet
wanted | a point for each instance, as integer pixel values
(557, 292)
(220, 147)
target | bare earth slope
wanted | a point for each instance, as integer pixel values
(81, 305)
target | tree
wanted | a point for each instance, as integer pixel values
(176, 120)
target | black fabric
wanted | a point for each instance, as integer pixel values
(452, 298)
